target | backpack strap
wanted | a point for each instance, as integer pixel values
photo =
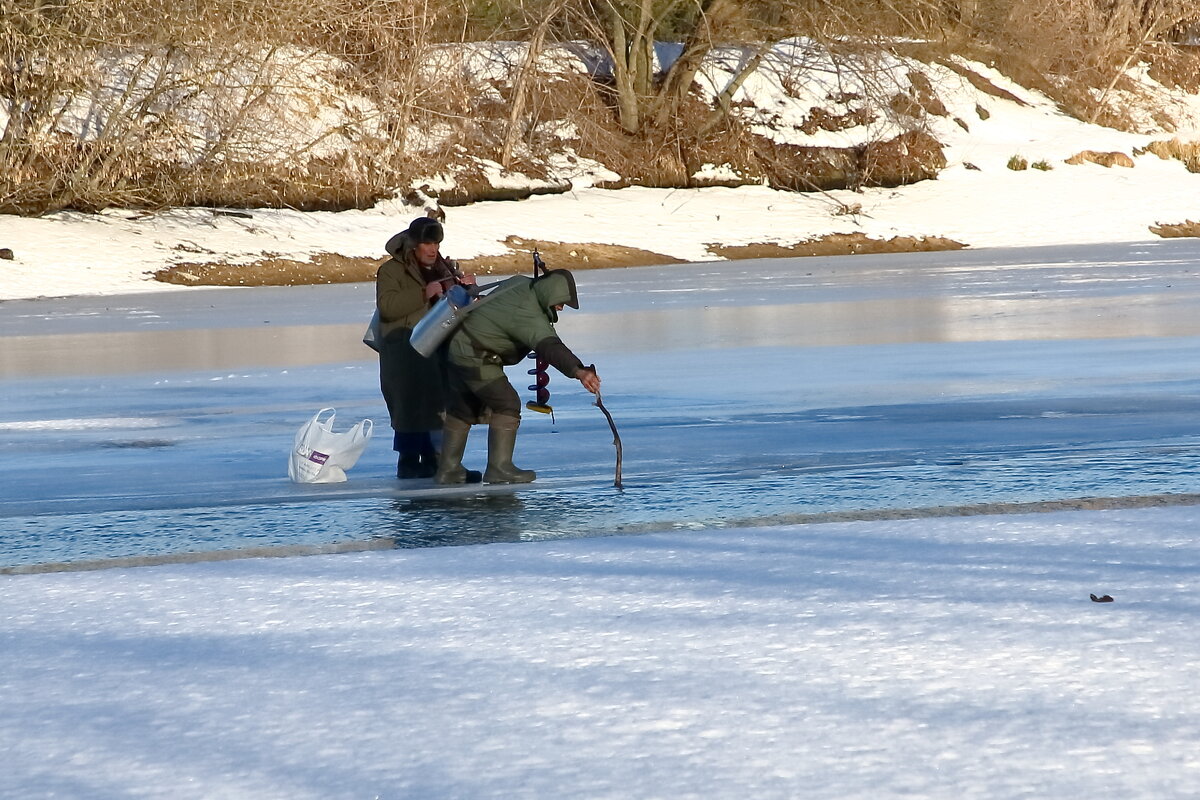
(475, 343)
(480, 299)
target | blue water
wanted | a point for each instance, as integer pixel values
(696, 500)
(159, 425)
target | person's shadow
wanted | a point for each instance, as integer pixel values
(486, 518)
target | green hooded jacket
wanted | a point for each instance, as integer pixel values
(519, 319)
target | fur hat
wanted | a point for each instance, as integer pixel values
(425, 229)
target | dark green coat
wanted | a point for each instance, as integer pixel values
(413, 386)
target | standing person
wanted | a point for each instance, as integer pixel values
(519, 318)
(413, 386)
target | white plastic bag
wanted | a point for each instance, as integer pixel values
(321, 456)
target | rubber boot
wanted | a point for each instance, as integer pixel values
(430, 460)
(454, 443)
(502, 440)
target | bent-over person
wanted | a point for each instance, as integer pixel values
(519, 318)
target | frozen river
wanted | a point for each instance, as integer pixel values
(745, 393)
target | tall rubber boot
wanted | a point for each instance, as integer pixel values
(454, 443)
(502, 440)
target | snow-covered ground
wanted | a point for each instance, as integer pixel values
(925, 658)
(930, 658)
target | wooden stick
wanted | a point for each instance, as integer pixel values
(616, 439)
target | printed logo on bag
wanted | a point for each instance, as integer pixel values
(319, 458)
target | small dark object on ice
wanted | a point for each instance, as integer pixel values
(7, 254)
(1104, 599)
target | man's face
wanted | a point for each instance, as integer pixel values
(427, 253)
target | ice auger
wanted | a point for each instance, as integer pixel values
(541, 378)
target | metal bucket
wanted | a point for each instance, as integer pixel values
(440, 321)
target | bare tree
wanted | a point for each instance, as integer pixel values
(650, 78)
(1132, 25)
(150, 102)
(523, 84)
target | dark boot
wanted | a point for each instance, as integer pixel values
(502, 440)
(427, 465)
(454, 443)
(418, 458)
(408, 466)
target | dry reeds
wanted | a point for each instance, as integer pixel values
(1187, 152)
(154, 102)
(339, 104)
(1177, 230)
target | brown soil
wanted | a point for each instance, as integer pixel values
(334, 268)
(519, 257)
(323, 268)
(837, 244)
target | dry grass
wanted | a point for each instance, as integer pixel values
(260, 75)
(1177, 230)
(1178, 67)
(231, 61)
(1104, 159)
(1187, 152)
(335, 268)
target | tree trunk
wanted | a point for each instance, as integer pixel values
(521, 87)
(623, 79)
(681, 75)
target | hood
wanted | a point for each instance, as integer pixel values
(554, 287)
(399, 245)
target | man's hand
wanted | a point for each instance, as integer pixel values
(466, 280)
(590, 380)
(433, 289)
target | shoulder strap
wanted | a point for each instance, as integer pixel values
(481, 299)
(462, 312)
